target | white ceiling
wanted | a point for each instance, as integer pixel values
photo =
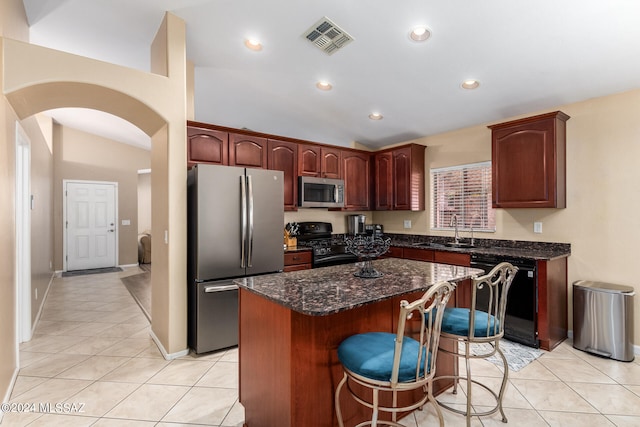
(528, 56)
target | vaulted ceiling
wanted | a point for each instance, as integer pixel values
(527, 56)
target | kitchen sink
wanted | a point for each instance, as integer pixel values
(444, 245)
(459, 245)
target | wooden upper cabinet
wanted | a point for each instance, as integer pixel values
(356, 168)
(399, 177)
(207, 146)
(283, 156)
(308, 160)
(528, 162)
(247, 151)
(330, 162)
(323, 162)
(384, 181)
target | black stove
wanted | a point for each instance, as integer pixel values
(327, 249)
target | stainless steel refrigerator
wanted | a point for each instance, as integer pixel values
(235, 221)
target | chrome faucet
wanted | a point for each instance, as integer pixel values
(454, 223)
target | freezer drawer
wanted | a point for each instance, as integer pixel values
(213, 312)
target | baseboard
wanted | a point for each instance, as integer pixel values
(128, 265)
(44, 300)
(167, 356)
(12, 384)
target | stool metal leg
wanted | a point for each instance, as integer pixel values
(338, 410)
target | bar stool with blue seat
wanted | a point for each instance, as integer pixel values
(396, 362)
(482, 323)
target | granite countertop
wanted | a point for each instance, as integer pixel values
(329, 290)
(506, 248)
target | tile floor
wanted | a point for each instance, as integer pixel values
(92, 348)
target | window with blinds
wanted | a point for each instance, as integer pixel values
(464, 191)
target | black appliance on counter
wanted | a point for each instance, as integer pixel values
(522, 301)
(327, 249)
(374, 230)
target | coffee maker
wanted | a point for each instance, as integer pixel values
(355, 224)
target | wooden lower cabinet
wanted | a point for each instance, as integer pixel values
(289, 369)
(552, 315)
(393, 252)
(418, 254)
(294, 261)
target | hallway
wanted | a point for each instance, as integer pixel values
(92, 350)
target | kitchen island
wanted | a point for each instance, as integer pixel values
(292, 323)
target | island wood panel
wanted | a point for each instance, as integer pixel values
(288, 361)
(265, 361)
(552, 302)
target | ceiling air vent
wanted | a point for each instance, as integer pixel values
(327, 36)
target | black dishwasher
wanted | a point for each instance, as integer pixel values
(522, 301)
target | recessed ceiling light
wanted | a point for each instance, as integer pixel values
(470, 84)
(420, 34)
(324, 85)
(375, 116)
(253, 44)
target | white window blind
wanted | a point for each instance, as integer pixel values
(464, 191)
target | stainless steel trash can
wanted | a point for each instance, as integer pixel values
(603, 319)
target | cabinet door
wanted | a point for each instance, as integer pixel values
(309, 160)
(528, 159)
(247, 151)
(417, 254)
(283, 156)
(357, 180)
(408, 178)
(384, 181)
(330, 163)
(207, 146)
(402, 179)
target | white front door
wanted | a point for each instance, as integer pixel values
(90, 225)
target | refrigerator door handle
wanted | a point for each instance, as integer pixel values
(250, 248)
(210, 289)
(243, 225)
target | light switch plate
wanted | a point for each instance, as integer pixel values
(407, 223)
(126, 222)
(537, 227)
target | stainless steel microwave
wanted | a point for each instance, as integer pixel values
(316, 192)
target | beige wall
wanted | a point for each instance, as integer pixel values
(83, 156)
(144, 202)
(12, 24)
(42, 250)
(602, 195)
(36, 79)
